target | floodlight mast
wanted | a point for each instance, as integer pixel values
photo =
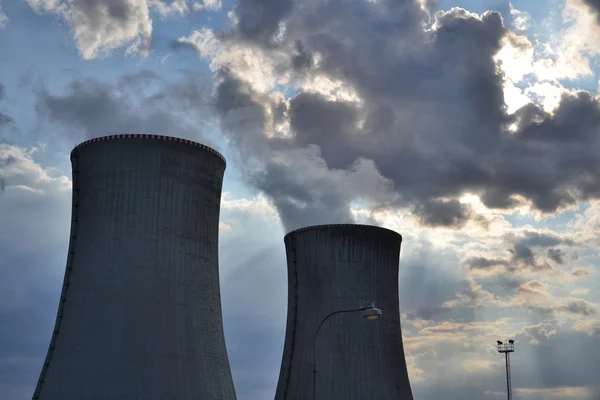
(507, 348)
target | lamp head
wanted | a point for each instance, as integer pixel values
(370, 311)
(499, 342)
(511, 341)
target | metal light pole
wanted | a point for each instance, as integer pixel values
(507, 348)
(369, 311)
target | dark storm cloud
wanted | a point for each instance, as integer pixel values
(432, 116)
(259, 19)
(523, 248)
(484, 263)
(443, 213)
(578, 307)
(300, 205)
(542, 331)
(330, 124)
(138, 103)
(302, 59)
(243, 115)
(581, 272)
(181, 45)
(333, 125)
(524, 258)
(4, 163)
(543, 239)
(594, 6)
(96, 11)
(299, 182)
(557, 255)
(4, 119)
(523, 253)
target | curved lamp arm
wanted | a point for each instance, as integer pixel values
(331, 314)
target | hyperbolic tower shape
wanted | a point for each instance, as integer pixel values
(334, 267)
(140, 311)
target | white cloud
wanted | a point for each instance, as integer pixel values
(521, 19)
(516, 57)
(572, 392)
(533, 71)
(34, 220)
(580, 292)
(419, 364)
(23, 168)
(566, 55)
(224, 227)
(183, 7)
(589, 326)
(334, 90)
(26, 188)
(514, 97)
(258, 205)
(458, 332)
(548, 94)
(209, 5)
(180, 7)
(248, 62)
(204, 41)
(519, 59)
(3, 18)
(542, 331)
(477, 365)
(48, 6)
(100, 27)
(587, 224)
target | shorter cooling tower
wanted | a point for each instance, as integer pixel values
(336, 267)
(139, 316)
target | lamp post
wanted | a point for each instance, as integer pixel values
(507, 348)
(369, 311)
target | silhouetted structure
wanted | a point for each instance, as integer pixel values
(507, 348)
(140, 310)
(337, 267)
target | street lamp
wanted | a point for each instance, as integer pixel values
(369, 311)
(507, 348)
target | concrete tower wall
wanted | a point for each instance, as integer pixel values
(337, 267)
(140, 313)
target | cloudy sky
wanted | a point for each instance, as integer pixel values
(472, 127)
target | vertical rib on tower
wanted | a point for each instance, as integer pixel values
(333, 267)
(140, 311)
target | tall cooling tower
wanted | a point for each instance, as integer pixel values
(139, 316)
(336, 267)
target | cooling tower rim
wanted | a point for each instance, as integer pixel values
(151, 137)
(330, 226)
